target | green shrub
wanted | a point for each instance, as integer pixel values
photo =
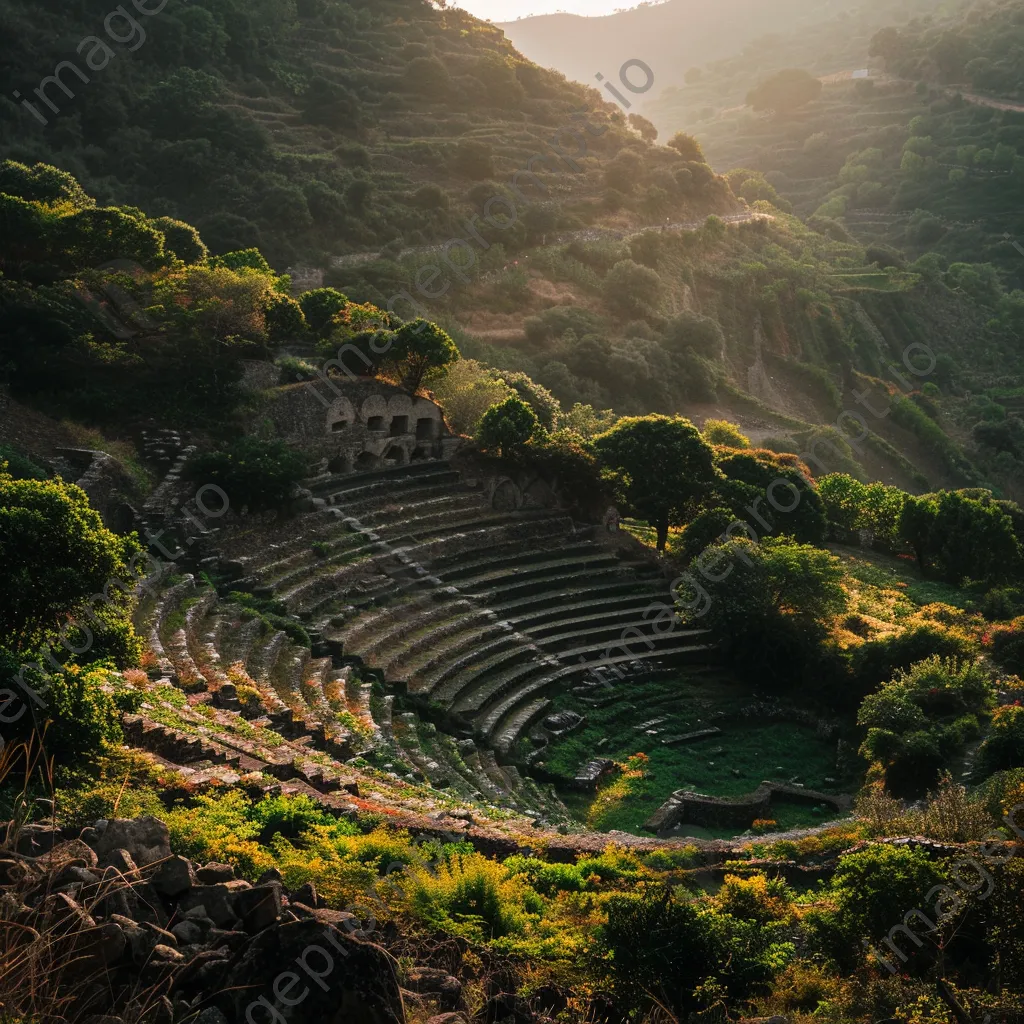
(295, 370)
(470, 895)
(79, 719)
(877, 661)
(871, 890)
(548, 879)
(20, 466)
(724, 433)
(1007, 645)
(922, 717)
(254, 473)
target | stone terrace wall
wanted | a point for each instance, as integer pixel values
(360, 426)
(684, 807)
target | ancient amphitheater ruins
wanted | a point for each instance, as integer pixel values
(444, 604)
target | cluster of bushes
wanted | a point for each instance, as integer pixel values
(920, 718)
(90, 295)
(956, 536)
(631, 925)
(65, 617)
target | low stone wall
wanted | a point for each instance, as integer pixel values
(685, 807)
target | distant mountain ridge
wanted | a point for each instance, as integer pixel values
(669, 37)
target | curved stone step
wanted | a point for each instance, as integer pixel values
(515, 724)
(500, 700)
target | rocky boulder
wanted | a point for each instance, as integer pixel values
(305, 972)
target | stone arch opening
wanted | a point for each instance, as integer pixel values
(394, 456)
(366, 460)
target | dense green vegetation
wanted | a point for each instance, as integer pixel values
(304, 129)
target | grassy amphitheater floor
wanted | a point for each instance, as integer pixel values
(650, 715)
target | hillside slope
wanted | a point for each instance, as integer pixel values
(316, 128)
(926, 154)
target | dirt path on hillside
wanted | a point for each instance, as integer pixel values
(985, 101)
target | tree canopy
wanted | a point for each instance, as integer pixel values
(55, 556)
(659, 466)
(506, 427)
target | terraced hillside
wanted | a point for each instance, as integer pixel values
(440, 625)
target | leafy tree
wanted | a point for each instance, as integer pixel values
(285, 319)
(687, 147)
(507, 427)
(44, 184)
(632, 288)
(253, 472)
(957, 538)
(646, 129)
(539, 399)
(55, 555)
(421, 346)
(785, 91)
(660, 466)
(851, 506)
(782, 478)
(92, 237)
(769, 606)
(243, 259)
(466, 390)
(181, 239)
(692, 332)
(320, 306)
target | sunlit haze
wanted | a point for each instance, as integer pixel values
(509, 10)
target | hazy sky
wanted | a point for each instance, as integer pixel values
(509, 10)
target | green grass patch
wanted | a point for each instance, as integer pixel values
(731, 764)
